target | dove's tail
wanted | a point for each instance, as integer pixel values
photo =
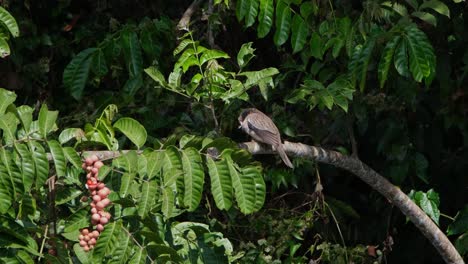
(283, 156)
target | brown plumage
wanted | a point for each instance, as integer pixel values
(261, 128)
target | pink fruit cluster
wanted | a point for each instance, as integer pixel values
(99, 193)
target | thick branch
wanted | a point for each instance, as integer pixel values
(377, 182)
(185, 20)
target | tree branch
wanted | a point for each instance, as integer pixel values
(430, 230)
(185, 20)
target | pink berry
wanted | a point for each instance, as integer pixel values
(105, 202)
(83, 165)
(88, 168)
(95, 217)
(99, 227)
(84, 231)
(80, 237)
(94, 171)
(89, 161)
(92, 241)
(95, 233)
(94, 210)
(96, 198)
(100, 205)
(83, 243)
(86, 238)
(104, 220)
(86, 248)
(94, 158)
(98, 164)
(101, 185)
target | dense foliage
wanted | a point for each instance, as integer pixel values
(379, 80)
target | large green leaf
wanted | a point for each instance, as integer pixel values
(242, 9)
(133, 130)
(168, 201)
(27, 166)
(76, 73)
(265, 18)
(316, 46)
(386, 59)
(99, 65)
(24, 113)
(41, 163)
(211, 55)
(437, 6)
(420, 52)
(9, 21)
(139, 257)
(11, 175)
(156, 75)
(154, 163)
(72, 156)
(283, 23)
(6, 198)
(194, 177)
(71, 133)
(251, 13)
(47, 120)
(299, 33)
(9, 124)
(221, 186)
(123, 250)
(244, 187)
(460, 223)
(6, 98)
(107, 242)
(401, 59)
(149, 196)
(58, 157)
(132, 53)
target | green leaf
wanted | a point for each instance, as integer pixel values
(9, 21)
(154, 163)
(64, 195)
(58, 157)
(6, 198)
(4, 48)
(107, 242)
(221, 186)
(27, 166)
(420, 52)
(6, 99)
(132, 53)
(244, 187)
(126, 181)
(254, 77)
(132, 129)
(426, 17)
(76, 73)
(429, 203)
(194, 177)
(182, 45)
(283, 23)
(9, 124)
(300, 31)
(460, 223)
(99, 65)
(242, 9)
(71, 133)
(437, 6)
(211, 55)
(149, 196)
(41, 163)
(156, 75)
(47, 120)
(251, 13)
(316, 46)
(168, 202)
(461, 244)
(24, 113)
(265, 18)
(246, 53)
(401, 59)
(386, 59)
(72, 156)
(139, 257)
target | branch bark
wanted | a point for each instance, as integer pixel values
(185, 20)
(430, 230)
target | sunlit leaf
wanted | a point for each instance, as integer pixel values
(132, 129)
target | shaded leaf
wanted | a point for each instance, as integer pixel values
(265, 18)
(76, 73)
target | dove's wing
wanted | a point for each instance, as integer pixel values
(264, 128)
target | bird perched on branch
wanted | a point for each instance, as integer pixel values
(261, 128)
